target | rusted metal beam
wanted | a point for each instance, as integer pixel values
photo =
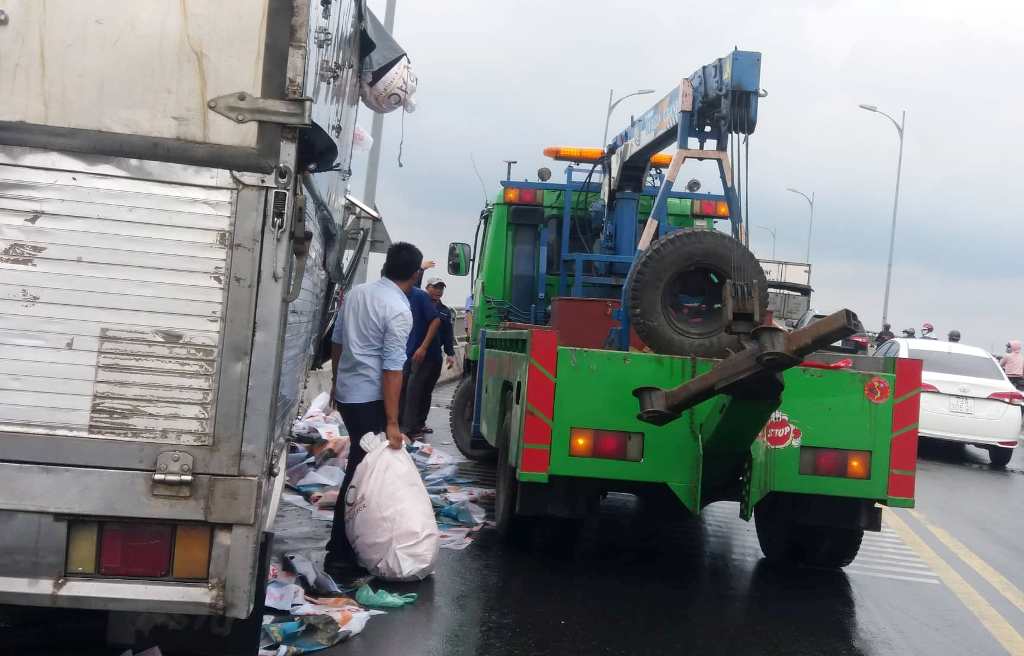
(750, 371)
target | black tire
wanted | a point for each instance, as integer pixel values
(460, 419)
(999, 456)
(506, 486)
(698, 262)
(785, 542)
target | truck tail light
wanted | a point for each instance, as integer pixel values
(135, 550)
(841, 463)
(609, 445)
(191, 552)
(860, 339)
(82, 537)
(1013, 398)
(523, 196)
(141, 550)
(714, 208)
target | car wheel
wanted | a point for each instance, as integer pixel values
(999, 456)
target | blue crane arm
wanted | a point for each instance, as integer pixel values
(716, 100)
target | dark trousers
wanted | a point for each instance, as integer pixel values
(360, 419)
(418, 387)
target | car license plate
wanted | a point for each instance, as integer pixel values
(961, 404)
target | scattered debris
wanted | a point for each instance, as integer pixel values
(366, 596)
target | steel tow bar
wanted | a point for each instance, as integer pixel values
(751, 372)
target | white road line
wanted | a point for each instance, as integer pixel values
(888, 568)
(911, 562)
(916, 579)
(873, 537)
(886, 549)
(902, 575)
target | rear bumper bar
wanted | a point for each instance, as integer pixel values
(145, 596)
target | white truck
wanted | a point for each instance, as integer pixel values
(168, 257)
(789, 289)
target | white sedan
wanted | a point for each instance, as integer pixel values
(965, 397)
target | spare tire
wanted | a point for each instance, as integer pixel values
(675, 292)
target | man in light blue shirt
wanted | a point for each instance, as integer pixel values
(368, 355)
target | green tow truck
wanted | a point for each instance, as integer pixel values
(622, 342)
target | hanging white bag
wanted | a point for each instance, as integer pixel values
(389, 519)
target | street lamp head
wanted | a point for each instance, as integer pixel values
(870, 108)
(792, 189)
(644, 91)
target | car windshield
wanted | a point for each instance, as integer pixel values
(960, 364)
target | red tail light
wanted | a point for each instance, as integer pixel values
(715, 208)
(928, 387)
(610, 445)
(1013, 398)
(860, 339)
(841, 463)
(136, 550)
(521, 196)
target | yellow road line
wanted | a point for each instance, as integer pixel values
(986, 571)
(989, 617)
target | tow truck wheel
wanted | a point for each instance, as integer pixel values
(786, 542)
(461, 421)
(676, 289)
(505, 482)
(999, 456)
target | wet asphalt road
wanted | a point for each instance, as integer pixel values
(641, 584)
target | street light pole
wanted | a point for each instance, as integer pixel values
(612, 105)
(772, 232)
(895, 203)
(810, 223)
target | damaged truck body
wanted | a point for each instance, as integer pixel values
(171, 241)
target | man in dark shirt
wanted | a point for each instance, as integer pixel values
(430, 370)
(425, 326)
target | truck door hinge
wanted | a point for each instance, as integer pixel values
(173, 475)
(242, 107)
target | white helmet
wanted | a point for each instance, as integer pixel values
(395, 89)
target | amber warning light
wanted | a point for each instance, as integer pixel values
(594, 155)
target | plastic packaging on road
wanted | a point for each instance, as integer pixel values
(366, 596)
(310, 633)
(388, 515)
(312, 578)
(466, 513)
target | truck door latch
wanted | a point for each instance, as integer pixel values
(242, 107)
(173, 475)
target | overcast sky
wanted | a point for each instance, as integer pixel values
(504, 80)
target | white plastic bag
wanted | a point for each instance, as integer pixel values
(388, 516)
